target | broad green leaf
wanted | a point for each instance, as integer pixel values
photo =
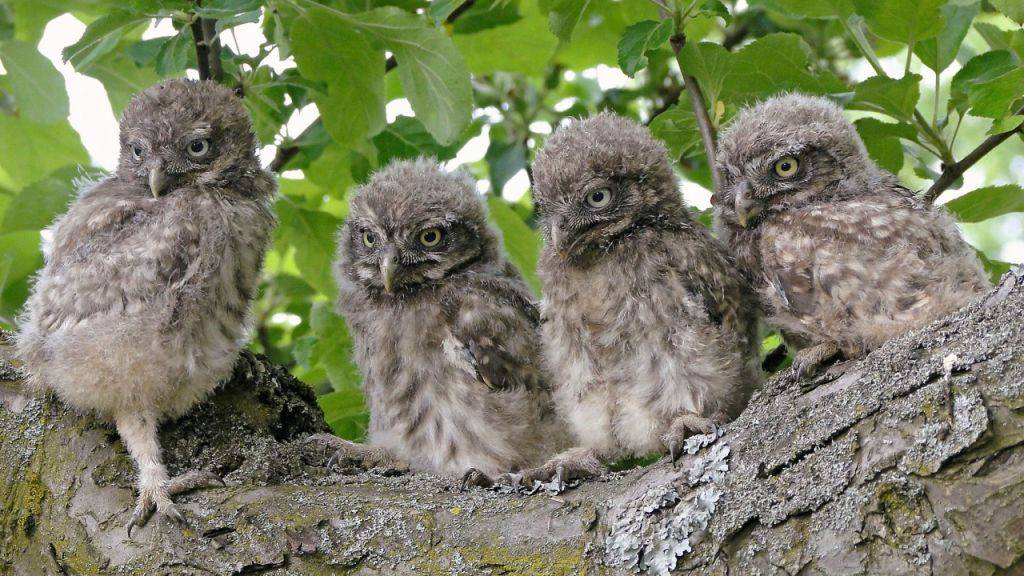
(504, 158)
(1005, 124)
(638, 40)
(1013, 9)
(709, 63)
(121, 78)
(995, 268)
(311, 234)
(939, 52)
(100, 37)
(433, 72)
(522, 243)
(677, 128)
(221, 9)
(882, 140)
(331, 50)
(37, 86)
(564, 16)
(522, 46)
(596, 37)
(174, 53)
(978, 70)
(407, 138)
(346, 413)
(28, 150)
(772, 64)
(714, 9)
(906, 21)
(1000, 39)
(809, 8)
(440, 10)
(36, 205)
(993, 99)
(20, 257)
(988, 202)
(897, 98)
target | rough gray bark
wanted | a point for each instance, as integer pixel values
(909, 461)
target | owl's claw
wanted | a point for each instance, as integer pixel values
(808, 361)
(158, 499)
(684, 426)
(474, 477)
(361, 455)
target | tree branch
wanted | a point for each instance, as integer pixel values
(700, 112)
(213, 49)
(202, 51)
(954, 171)
(286, 152)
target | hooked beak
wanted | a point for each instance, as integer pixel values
(747, 207)
(157, 180)
(388, 266)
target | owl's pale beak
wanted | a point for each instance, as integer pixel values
(157, 181)
(747, 207)
(556, 236)
(388, 266)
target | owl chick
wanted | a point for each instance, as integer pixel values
(842, 256)
(650, 333)
(445, 329)
(143, 302)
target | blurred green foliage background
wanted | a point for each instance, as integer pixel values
(338, 88)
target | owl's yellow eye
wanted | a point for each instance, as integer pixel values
(599, 198)
(368, 239)
(430, 237)
(786, 167)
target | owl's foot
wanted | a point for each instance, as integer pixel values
(566, 470)
(808, 361)
(682, 427)
(474, 477)
(157, 497)
(347, 453)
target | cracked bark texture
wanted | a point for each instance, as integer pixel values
(910, 461)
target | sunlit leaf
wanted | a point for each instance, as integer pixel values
(988, 202)
(897, 98)
(522, 242)
(882, 140)
(29, 150)
(939, 52)
(311, 234)
(906, 21)
(36, 205)
(638, 40)
(564, 15)
(37, 86)
(1013, 9)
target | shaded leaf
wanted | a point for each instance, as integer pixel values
(1013, 9)
(939, 52)
(564, 16)
(772, 64)
(100, 38)
(988, 202)
(638, 40)
(522, 243)
(994, 98)
(978, 70)
(121, 78)
(897, 98)
(37, 86)
(709, 63)
(406, 137)
(311, 234)
(29, 150)
(882, 140)
(36, 205)
(906, 21)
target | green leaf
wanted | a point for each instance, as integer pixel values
(346, 413)
(995, 268)
(37, 86)
(20, 257)
(121, 78)
(1006, 124)
(978, 70)
(564, 16)
(994, 99)
(440, 10)
(677, 128)
(714, 9)
(433, 72)
(504, 158)
(407, 138)
(882, 140)
(311, 234)
(906, 21)
(37, 204)
(522, 46)
(174, 53)
(897, 98)
(1013, 9)
(638, 40)
(988, 202)
(1000, 39)
(522, 243)
(772, 64)
(28, 150)
(99, 38)
(709, 63)
(329, 49)
(939, 52)
(808, 8)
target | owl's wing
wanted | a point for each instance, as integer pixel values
(493, 334)
(858, 252)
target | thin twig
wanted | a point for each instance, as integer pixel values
(700, 112)
(952, 172)
(286, 152)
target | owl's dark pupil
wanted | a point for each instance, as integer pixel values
(598, 196)
(197, 146)
(785, 166)
(430, 236)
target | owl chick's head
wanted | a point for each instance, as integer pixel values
(185, 133)
(784, 152)
(597, 181)
(412, 226)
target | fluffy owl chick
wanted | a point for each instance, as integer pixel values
(650, 333)
(445, 329)
(842, 255)
(143, 302)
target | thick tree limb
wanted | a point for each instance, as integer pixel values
(953, 172)
(910, 461)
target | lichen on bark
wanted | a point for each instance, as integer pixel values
(909, 461)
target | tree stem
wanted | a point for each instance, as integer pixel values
(951, 172)
(700, 112)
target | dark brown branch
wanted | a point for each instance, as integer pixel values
(286, 152)
(213, 49)
(202, 49)
(952, 172)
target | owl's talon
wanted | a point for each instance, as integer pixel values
(474, 477)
